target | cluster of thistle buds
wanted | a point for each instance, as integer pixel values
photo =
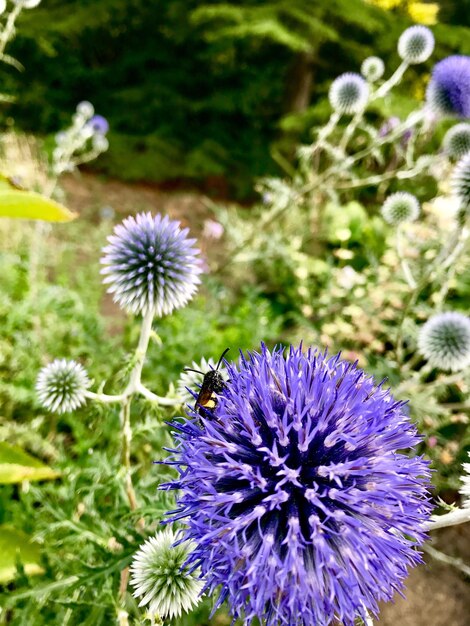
(83, 141)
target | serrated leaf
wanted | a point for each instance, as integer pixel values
(16, 546)
(29, 205)
(17, 465)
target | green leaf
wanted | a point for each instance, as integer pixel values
(16, 546)
(30, 205)
(17, 465)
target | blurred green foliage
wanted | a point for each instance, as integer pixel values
(197, 90)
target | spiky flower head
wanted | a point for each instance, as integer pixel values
(448, 92)
(457, 140)
(160, 578)
(61, 385)
(400, 207)
(460, 182)
(465, 488)
(349, 93)
(372, 68)
(297, 493)
(151, 265)
(193, 381)
(445, 341)
(416, 44)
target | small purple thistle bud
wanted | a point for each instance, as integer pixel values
(298, 497)
(388, 126)
(448, 92)
(99, 124)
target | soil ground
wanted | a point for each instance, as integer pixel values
(435, 594)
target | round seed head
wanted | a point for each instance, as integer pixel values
(297, 492)
(151, 265)
(460, 182)
(160, 579)
(85, 109)
(448, 92)
(416, 44)
(457, 141)
(349, 93)
(100, 143)
(400, 207)
(61, 386)
(372, 69)
(445, 341)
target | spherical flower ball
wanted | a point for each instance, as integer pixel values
(61, 386)
(445, 341)
(297, 492)
(160, 578)
(151, 265)
(372, 68)
(349, 93)
(400, 207)
(416, 44)
(85, 109)
(457, 140)
(190, 379)
(460, 182)
(448, 92)
(100, 143)
(99, 124)
(465, 488)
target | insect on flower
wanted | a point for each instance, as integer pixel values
(212, 384)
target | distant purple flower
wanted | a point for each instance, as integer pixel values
(302, 505)
(448, 92)
(99, 124)
(151, 265)
(388, 126)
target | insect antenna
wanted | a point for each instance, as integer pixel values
(190, 369)
(221, 357)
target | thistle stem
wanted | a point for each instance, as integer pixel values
(459, 516)
(403, 262)
(448, 560)
(394, 79)
(126, 432)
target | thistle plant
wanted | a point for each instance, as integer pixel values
(82, 142)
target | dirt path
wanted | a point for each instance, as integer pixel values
(436, 594)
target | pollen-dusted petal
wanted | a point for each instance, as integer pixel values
(298, 496)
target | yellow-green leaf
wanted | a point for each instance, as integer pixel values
(30, 205)
(17, 465)
(16, 546)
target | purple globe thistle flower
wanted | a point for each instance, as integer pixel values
(298, 497)
(448, 92)
(151, 265)
(99, 124)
